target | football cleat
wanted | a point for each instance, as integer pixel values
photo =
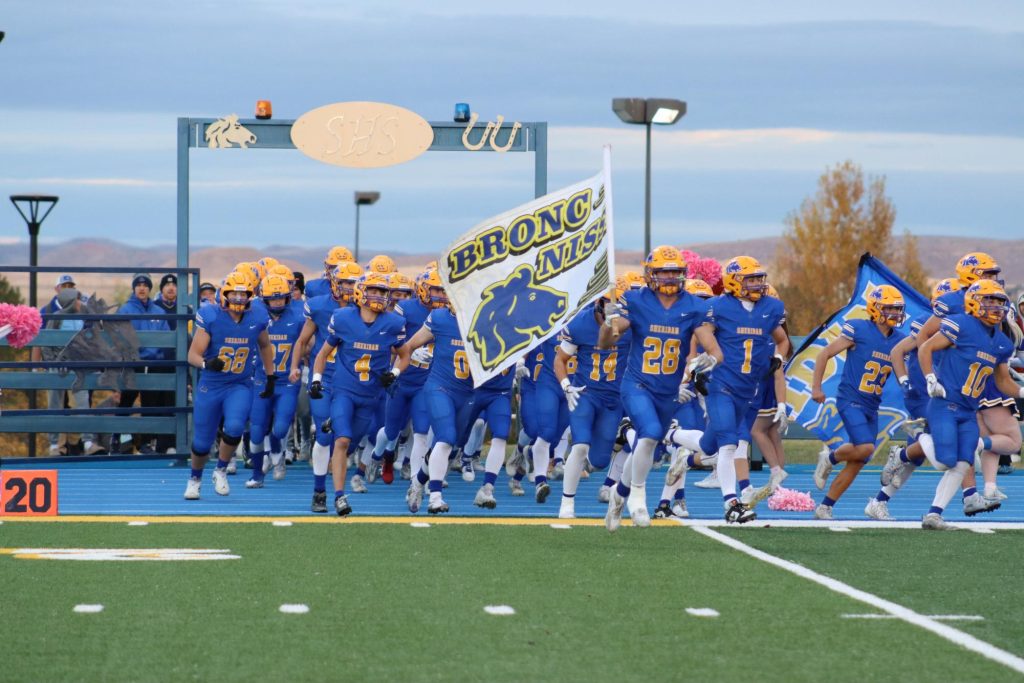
(516, 462)
(414, 497)
(567, 508)
(542, 492)
(406, 471)
(557, 472)
(1006, 469)
(679, 509)
(341, 506)
(437, 506)
(892, 465)
(878, 509)
(613, 517)
(220, 482)
(933, 522)
(976, 503)
(373, 471)
(604, 494)
(232, 467)
(709, 482)
(192, 488)
(358, 484)
(823, 512)
(738, 513)
(279, 471)
(485, 497)
(675, 472)
(468, 474)
(254, 483)
(319, 501)
(663, 511)
(637, 506)
(516, 487)
(387, 471)
(776, 478)
(997, 495)
(760, 494)
(823, 468)
(746, 494)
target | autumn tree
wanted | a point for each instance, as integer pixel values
(816, 260)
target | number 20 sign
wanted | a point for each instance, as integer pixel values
(28, 493)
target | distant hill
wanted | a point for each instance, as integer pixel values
(938, 254)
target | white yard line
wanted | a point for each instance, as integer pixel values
(979, 527)
(936, 617)
(964, 640)
(701, 612)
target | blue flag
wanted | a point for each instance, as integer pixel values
(822, 420)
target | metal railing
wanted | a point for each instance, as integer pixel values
(22, 375)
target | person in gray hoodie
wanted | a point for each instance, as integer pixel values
(141, 303)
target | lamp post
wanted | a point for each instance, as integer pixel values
(658, 111)
(362, 198)
(32, 203)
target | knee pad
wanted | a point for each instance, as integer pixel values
(200, 455)
(230, 440)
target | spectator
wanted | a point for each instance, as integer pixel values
(167, 299)
(66, 301)
(139, 303)
(207, 293)
(300, 285)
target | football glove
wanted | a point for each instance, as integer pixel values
(935, 390)
(572, 394)
(214, 364)
(268, 390)
(316, 389)
(702, 363)
(685, 393)
(388, 378)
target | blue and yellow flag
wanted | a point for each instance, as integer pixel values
(823, 419)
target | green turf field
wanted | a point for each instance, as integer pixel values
(392, 602)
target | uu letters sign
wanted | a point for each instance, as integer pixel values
(362, 134)
(516, 279)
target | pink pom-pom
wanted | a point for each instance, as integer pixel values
(24, 321)
(690, 257)
(707, 269)
(789, 500)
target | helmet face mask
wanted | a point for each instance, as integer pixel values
(987, 302)
(438, 297)
(886, 306)
(372, 295)
(236, 293)
(744, 278)
(665, 271)
(755, 286)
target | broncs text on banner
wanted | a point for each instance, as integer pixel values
(28, 493)
(516, 279)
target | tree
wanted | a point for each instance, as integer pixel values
(9, 294)
(816, 261)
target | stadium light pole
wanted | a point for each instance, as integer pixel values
(362, 199)
(656, 111)
(31, 203)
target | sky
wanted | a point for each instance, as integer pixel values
(927, 94)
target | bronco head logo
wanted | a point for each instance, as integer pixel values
(512, 313)
(228, 131)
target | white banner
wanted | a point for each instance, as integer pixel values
(516, 279)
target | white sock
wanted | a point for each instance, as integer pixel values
(256, 447)
(669, 492)
(574, 468)
(380, 443)
(928, 446)
(321, 456)
(687, 438)
(631, 438)
(742, 450)
(476, 438)
(420, 446)
(643, 458)
(727, 470)
(495, 456)
(541, 457)
(438, 461)
(563, 445)
(710, 460)
(275, 458)
(949, 484)
(627, 471)
(618, 460)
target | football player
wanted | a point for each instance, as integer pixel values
(286, 323)
(322, 285)
(360, 339)
(226, 335)
(869, 348)
(973, 350)
(663, 319)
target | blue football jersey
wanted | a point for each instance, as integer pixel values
(317, 287)
(284, 333)
(599, 370)
(917, 380)
(745, 338)
(661, 338)
(868, 362)
(363, 351)
(950, 303)
(965, 368)
(415, 314)
(235, 342)
(319, 309)
(500, 383)
(450, 366)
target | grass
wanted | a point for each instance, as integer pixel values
(391, 602)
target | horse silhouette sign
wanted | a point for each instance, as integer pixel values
(227, 132)
(516, 279)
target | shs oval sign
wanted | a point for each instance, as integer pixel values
(362, 134)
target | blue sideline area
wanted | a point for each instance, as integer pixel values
(155, 487)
